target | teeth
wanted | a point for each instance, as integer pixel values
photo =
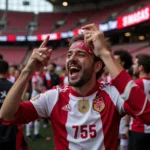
(73, 68)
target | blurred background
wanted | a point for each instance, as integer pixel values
(24, 24)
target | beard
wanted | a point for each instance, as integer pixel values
(85, 77)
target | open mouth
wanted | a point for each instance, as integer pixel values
(74, 72)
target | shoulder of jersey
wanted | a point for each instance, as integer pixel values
(104, 84)
(61, 88)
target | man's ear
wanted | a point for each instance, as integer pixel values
(98, 66)
(141, 68)
(122, 63)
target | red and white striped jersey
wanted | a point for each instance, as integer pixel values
(11, 78)
(137, 125)
(97, 129)
(38, 80)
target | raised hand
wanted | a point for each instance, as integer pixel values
(95, 40)
(39, 57)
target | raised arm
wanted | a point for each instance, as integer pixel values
(38, 59)
(136, 103)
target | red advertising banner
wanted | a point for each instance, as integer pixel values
(134, 18)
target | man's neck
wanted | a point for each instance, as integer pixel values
(144, 75)
(2, 76)
(85, 88)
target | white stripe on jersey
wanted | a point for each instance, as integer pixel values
(129, 86)
(76, 118)
(45, 103)
(115, 97)
(143, 108)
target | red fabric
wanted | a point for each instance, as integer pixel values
(108, 117)
(25, 114)
(20, 139)
(136, 100)
(137, 125)
(59, 123)
(81, 45)
(62, 80)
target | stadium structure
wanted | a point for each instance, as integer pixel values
(125, 22)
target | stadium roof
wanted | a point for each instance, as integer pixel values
(74, 2)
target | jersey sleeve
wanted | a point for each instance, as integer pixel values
(116, 98)
(136, 103)
(26, 113)
(139, 82)
(45, 102)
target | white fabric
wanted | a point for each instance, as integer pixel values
(47, 101)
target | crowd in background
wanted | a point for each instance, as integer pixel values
(49, 77)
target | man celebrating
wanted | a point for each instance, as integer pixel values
(85, 114)
(139, 134)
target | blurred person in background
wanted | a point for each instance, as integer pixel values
(37, 88)
(11, 73)
(139, 133)
(105, 76)
(17, 74)
(7, 133)
(51, 79)
(64, 77)
(124, 58)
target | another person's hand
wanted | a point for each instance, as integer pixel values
(39, 57)
(95, 40)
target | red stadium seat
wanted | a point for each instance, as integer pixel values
(14, 55)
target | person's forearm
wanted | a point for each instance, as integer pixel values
(113, 67)
(11, 102)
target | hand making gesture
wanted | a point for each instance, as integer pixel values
(95, 39)
(39, 57)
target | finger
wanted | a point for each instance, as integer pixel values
(38, 58)
(90, 43)
(44, 42)
(90, 27)
(49, 53)
(89, 32)
(41, 49)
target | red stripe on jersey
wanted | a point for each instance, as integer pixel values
(137, 125)
(110, 119)
(140, 109)
(59, 118)
(25, 114)
(121, 81)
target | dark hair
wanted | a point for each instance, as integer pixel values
(144, 60)
(1, 56)
(96, 59)
(3, 67)
(53, 64)
(124, 57)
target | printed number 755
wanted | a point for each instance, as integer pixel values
(84, 131)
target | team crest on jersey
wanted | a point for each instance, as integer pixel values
(35, 98)
(98, 104)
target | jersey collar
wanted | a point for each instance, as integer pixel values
(95, 88)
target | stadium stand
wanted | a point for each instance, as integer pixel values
(59, 53)
(46, 22)
(17, 23)
(130, 47)
(145, 50)
(73, 18)
(14, 55)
